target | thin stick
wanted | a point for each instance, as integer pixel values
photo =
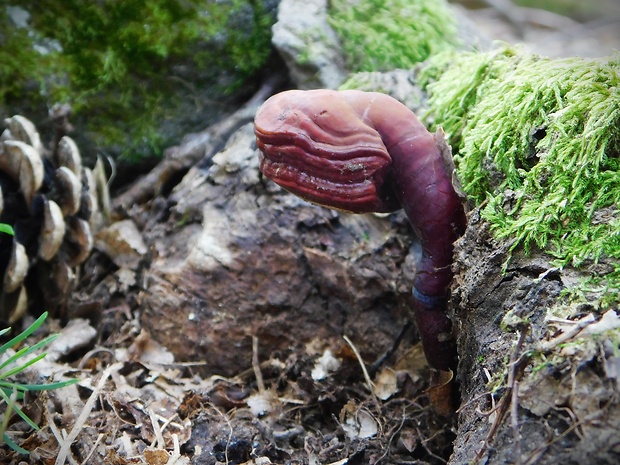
(81, 420)
(578, 326)
(159, 437)
(256, 366)
(58, 434)
(371, 385)
(93, 449)
(392, 350)
(176, 454)
(514, 416)
(514, 368)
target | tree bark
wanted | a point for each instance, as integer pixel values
(520, 403)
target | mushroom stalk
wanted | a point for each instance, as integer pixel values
(366, 152)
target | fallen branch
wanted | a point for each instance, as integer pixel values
(201, 145)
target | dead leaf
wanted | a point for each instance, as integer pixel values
(609, 320)
(386, 384)
(77, 334)
(408, 438)
(358, 422)
(122, 242)
(413, 362)
(326, 364)
(440, 393)
(156, 456)
(147, 350)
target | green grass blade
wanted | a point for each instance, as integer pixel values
(25, 417)
(17, 408)
(5, 394)
(10, 406)
(28, 350)
(7, 229)
(14, 358)
(48, 387)
(41, 343)
(22, 367)
(8, 388)
(9, 442)
(24, 334)
(10, 392)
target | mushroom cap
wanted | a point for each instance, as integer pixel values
(315, 145)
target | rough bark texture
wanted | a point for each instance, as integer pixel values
(547, 413)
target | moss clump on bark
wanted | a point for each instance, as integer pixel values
(380, 35)
(128, 66)
(536, 140)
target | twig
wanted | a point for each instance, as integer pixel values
(256, 366)
(176, 454)
(202, 145)
(517, 362)
(534, 458)
(230, 432)
(514, 416)
(58, 434)
(159, 437)
(81, 420)
(578, 326)
(511, 399)
(93, 449)
(392, 434)
(392, 350)
(371, 385)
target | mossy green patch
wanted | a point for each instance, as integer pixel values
(132, 67)
(15, 67)
(536, 140)
(379, 35)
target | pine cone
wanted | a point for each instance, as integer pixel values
(53, 204)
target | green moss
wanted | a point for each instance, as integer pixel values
(131, 66)
(379, 35)
(583, 11)
(17, 66)
(537, 141)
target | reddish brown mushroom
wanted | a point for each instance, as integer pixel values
(366, 152)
